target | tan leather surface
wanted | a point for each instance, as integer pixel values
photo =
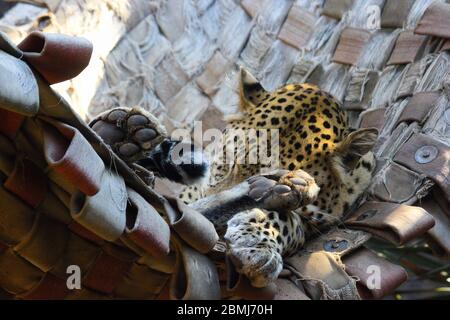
(19, 90)
(21, 277)
(419, 106)
(141, 282)
(436, 168)
(145, 227)
(16, 218)
(49, 55)
(195, 276)
(322, 276)
(298, 27)
(373, 119)
(366, 265)
(435, 21)
(45, 243)
(395, 183)
(105, 212)
(395, 13)
(336, 8)
(49, 288)
(28, 182)
(190, 225)
(407, 49)
(106, 273)
(350, 45)
(439, 236)
(63, 147)
(392, 222)
(11, 124)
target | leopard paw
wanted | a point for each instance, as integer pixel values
(283, 190)
(253, 251)
(130, 132)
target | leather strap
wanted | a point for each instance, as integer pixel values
(393, 222)
(435, 21)
(64, 146)
(145, 227)
(350, 46)
(190, 225)
(336, 8)
(323, 276)
(50, 288)
(408, 48)
(395, 13)
(377, 276)
(195, 276)
(56, 57)
(426, 155)
(45, 244)
(104, 213)
(19, 91)
(11, 123)
(106, 273)
(420, 105)
(28, 182)
(298, 27)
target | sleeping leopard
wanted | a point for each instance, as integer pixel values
(262, 216)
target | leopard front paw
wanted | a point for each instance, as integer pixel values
(253, 251)
(130, 132)
(261, 265)
(283, 190)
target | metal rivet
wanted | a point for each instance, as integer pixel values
(335, 245)
(426, 154)
(447, 116)
(367, 214)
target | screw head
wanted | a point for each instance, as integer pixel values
(335, 245)
(426, 154)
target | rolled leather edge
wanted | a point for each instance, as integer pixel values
(190, 225)
(393, 222)
(368, 267)
(240, 286)
(195, 276)
(56, 57)
(104, 213)
(323, 277)
(69, 153)
(145, 227)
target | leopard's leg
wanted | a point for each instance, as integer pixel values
(280, 190)
(258, 221)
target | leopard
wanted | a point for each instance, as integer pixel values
(317, 144)
(263, 216)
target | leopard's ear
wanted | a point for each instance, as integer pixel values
(249, 88)
(356, 145)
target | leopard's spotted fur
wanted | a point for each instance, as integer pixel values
(315, 137)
